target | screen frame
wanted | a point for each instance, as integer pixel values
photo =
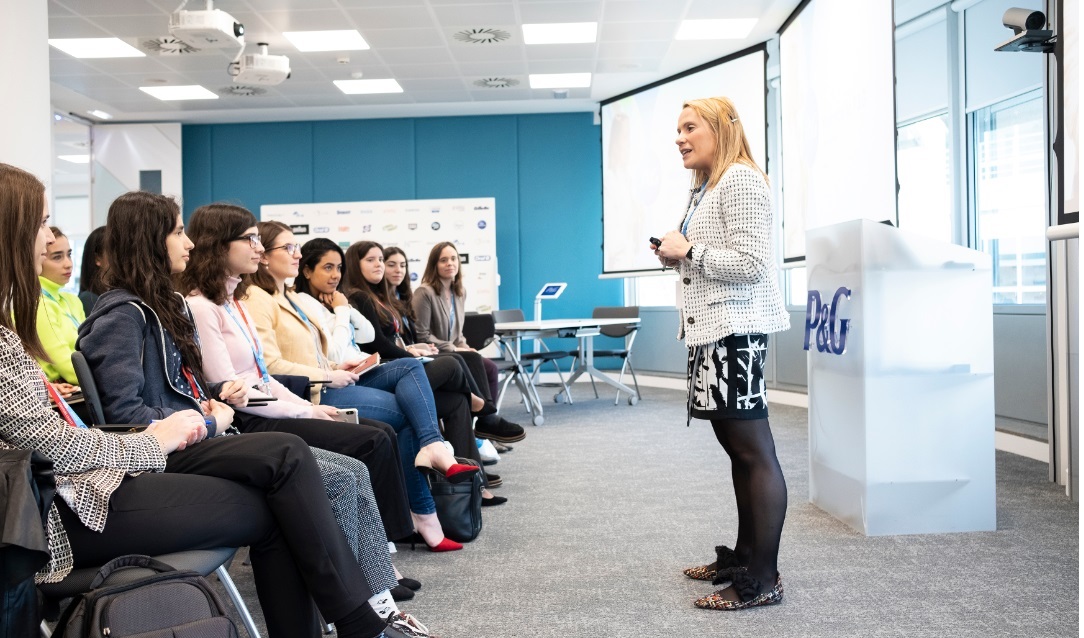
(553, 295)
(761, 47)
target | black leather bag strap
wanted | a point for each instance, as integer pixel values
(128, 562)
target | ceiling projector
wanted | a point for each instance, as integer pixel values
(210, 29)
(261, 68)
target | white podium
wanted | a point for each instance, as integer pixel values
(899, 330)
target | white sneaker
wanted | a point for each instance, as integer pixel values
(487, 452)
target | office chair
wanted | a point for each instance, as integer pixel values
(479, 332)
(202, 561)
(626, 332)
(537, 358)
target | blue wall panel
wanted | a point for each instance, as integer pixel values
(363, 160)
(543, 171)
(256, 164)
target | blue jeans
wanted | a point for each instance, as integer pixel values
(398, 394)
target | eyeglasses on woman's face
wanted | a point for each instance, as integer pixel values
(289, 248)
(253, 238)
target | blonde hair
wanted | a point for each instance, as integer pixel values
(731, 145)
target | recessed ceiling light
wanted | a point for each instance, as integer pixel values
(560, 80)
(721, 29)
(358, 87)
(170, 93)
(96, 48)
(101, 115)
(348, 40)
(560, 33)
(75, 159)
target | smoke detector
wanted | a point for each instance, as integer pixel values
(485, 35)
(496, 83)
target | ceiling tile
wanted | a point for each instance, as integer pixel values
(432, 84)
(279, 5)
(68, 66)
(475, 15)
(113, 7)
(487, 52)
(419, 55)
(626, 65)
(409, 71)
(133, 26)
(638, 11)
(372, 4)
(490, 95)
(391, 18)
(632, 49)
(75, 28)
(398, 38)
(585, 52)
(560, 12)
(56, 10)
(441, 96)
(494, 67)
(307, 20)
(637, 31)
(337, 99)
(712, 9)
(559, 66)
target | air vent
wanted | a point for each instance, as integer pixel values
(496, 83)
(242, 90)
(482, 36)
(167, 46)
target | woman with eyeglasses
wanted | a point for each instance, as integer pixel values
(137, 494)
(228, 245)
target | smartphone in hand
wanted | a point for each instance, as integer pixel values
(367, 364)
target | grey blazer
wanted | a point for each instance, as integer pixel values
(431, 318)
(730, 286)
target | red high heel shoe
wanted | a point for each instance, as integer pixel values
(457, 473)
(445, 545)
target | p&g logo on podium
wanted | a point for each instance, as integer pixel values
(823, 318)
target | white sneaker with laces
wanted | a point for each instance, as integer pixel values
(487, 451)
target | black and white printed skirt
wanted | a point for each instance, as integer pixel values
(726, 378)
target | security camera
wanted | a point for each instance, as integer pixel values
(1027, 25)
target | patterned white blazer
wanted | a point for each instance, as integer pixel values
(89, 464)
(730, 286)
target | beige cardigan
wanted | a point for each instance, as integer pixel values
(431, 315)
(288, 345)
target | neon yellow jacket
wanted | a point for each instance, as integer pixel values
(59, 316)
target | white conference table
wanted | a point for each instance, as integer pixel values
(583, 329)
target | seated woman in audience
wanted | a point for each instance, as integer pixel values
(261, 491)
(439, 305)
(319, 273)
(227, 245)
(92, 268)
(142, 347)
(59, 316)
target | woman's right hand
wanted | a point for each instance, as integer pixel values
(178, 431)
(341, 378)
(334, 299)
(324, 412)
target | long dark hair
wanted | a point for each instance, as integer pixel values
(432, 278)
(403, 290)
(90, 273)
(211, 228)
(312, 253)
(269, 232)
(22, 204)
(354, 281)
(141, 222)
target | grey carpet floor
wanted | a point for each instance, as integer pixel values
(607, 504)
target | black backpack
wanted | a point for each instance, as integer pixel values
(169, 604)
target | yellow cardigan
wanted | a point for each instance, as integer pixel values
(288, 345)
(59, 316)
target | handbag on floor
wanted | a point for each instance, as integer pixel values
(169, 604)
(459, 505)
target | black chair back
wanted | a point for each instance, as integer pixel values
(89, 388)
(616, 312)
(478, 330)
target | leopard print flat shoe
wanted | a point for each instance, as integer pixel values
(725, 562)
(747, 588)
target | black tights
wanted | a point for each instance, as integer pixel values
(760, 492)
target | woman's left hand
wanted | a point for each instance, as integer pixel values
(234, 392)
(674, 246)
(65, 389)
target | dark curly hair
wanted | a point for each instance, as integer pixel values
(141, 222)
(211, 228)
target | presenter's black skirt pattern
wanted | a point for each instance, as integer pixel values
(726, 378)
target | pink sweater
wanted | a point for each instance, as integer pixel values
(227, 353)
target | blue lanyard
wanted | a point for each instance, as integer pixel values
(699, 197)
(451, 319)
(314, 331)
(253, 343)
(63, 307)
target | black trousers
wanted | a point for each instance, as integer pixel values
(371, 442)
(260, 490)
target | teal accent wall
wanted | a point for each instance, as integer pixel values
(543, 170)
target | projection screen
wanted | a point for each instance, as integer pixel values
(645, 187)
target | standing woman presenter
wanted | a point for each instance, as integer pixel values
(730, 301)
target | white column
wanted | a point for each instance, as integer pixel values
(25, 113)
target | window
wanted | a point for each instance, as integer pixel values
(1009, 186)
(797, 291)
(652, 291)
(925, 176)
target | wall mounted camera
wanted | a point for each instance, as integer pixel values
(1029, 34)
